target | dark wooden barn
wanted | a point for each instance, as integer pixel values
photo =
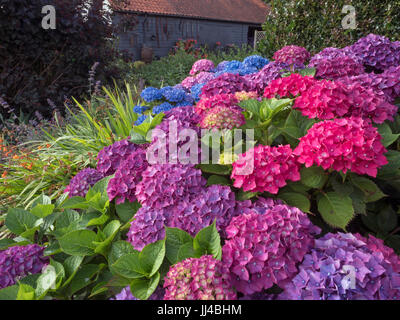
(159, 24)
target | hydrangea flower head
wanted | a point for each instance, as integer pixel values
(232, 66)
(244, 95)
(264, 248)
(292, 55)
(20, 261)
(164, 107)
(122, 186)
(188, 82)
(151, 94)
(140, 109)
(204, 77)
(291, 86)
(202, 65)
(335, 68)
(344, 267)
(376, 52)
(110, 157)
(173, 94)
(202, 278)
(164, 185)
(195, 91)
(83, 181)
(343, 144)
(269, 171)
(220, 100)
(225, 83)
(332, 53)
(222, 117)
(255, 61)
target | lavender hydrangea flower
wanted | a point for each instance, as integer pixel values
(346, 267)
(164, 185)
(20, 261)
(83, 181)
(109, 158)
(332, 53)
(122, 186)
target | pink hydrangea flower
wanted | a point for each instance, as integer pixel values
(328, 100)
(202, 278)
(291, 86)
(188, 82)
(208, 103)
(273, 166)
(292, 55)
(265, 246)
(202, 65)
(204, 77)
(343, 144)
(222, 117)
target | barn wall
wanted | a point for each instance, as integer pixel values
(161, 33)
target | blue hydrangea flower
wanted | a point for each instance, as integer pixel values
(151, 94)
(140, 120)
(233, 66)
(188, 101)
(172, 94)
(255, 61)
(247, 70)
(140, 109)
(221, 66)
(196, 91)
(162, 108)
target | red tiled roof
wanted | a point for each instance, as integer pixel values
(251, 11)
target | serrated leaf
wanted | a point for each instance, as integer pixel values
(297, 200)
(127, 210)
(19, 221)
(84, 277)
(387, 136)
(175, 239)
(128, 266)
(144, 288)
(246, 195)
(220, 180)
(370, 189)
(43, 210)
(218, 169)
(208, 240)
(336, 210)
(25, 292)
(314, 177)
(186, 251)
(78, 243)
(151, 257)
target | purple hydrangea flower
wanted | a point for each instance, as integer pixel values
(164, 185)
(122, 186)
(377, 52)
(82, 182)
(264, 246)
(292, 55)
(344, 266)
(20, 261)
(332, 53)
(110, 157)
(335, 68)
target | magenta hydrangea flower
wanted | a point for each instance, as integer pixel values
(265, 246)
(291, 86)
(331, 99)
(269, 171)
(225, 83)
(343, 144)
(164, 185)
(291, 55)
(110, 157)
(335, 68)
(126, 294)
(20, 261)
(202, 65)
(332, 53)
(390, 84)
(188, 82)
(82, 182)
(222, 117)
(202, 278)
(345, 267)
(122, 186)
(377, 52)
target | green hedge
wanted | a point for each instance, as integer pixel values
(318, 24)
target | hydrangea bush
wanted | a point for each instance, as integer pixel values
(323, 155)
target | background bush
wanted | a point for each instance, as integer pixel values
(317, 24)
(38, 64)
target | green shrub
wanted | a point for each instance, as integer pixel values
(318, 24)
